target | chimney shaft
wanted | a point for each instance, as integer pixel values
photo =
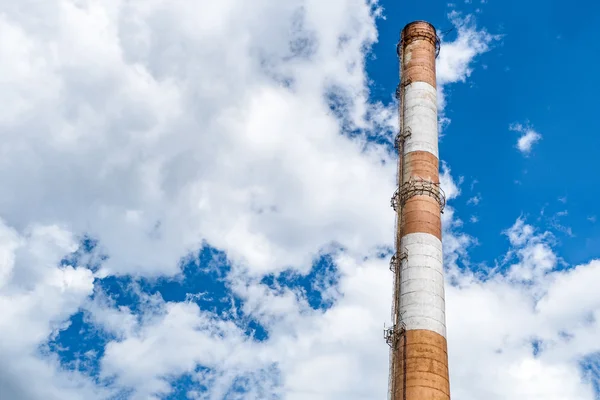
(419, 358)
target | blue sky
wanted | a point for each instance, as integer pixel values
(196, 199)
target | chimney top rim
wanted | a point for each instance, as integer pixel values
(419, 22)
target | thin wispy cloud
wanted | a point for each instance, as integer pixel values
(554, 223)
(475, 200)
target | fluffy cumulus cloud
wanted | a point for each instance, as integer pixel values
(36, 298)
(528, 137)
(180, 122)
(535, 321)
(134, 133)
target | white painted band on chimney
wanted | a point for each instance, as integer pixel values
(420, 117)
(422, 304)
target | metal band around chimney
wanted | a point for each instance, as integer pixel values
(418, 187)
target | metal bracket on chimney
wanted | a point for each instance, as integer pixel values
(393, 334)
(401, 138)
(397, 260)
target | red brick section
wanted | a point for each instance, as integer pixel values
(425, 376)
(419, 53)
(422, 165)
(421, 213)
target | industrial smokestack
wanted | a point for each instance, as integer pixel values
(418, 357)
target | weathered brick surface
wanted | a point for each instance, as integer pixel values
(419, 53)
(422, 367)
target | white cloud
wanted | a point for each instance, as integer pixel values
(526, 141)
(515, 308)
(519, 233)
(153, 126)
(35, 298)
(167, 124)
(455, 242)
(528, 138)
(534, 252)
(449, 186)
(186, 337)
